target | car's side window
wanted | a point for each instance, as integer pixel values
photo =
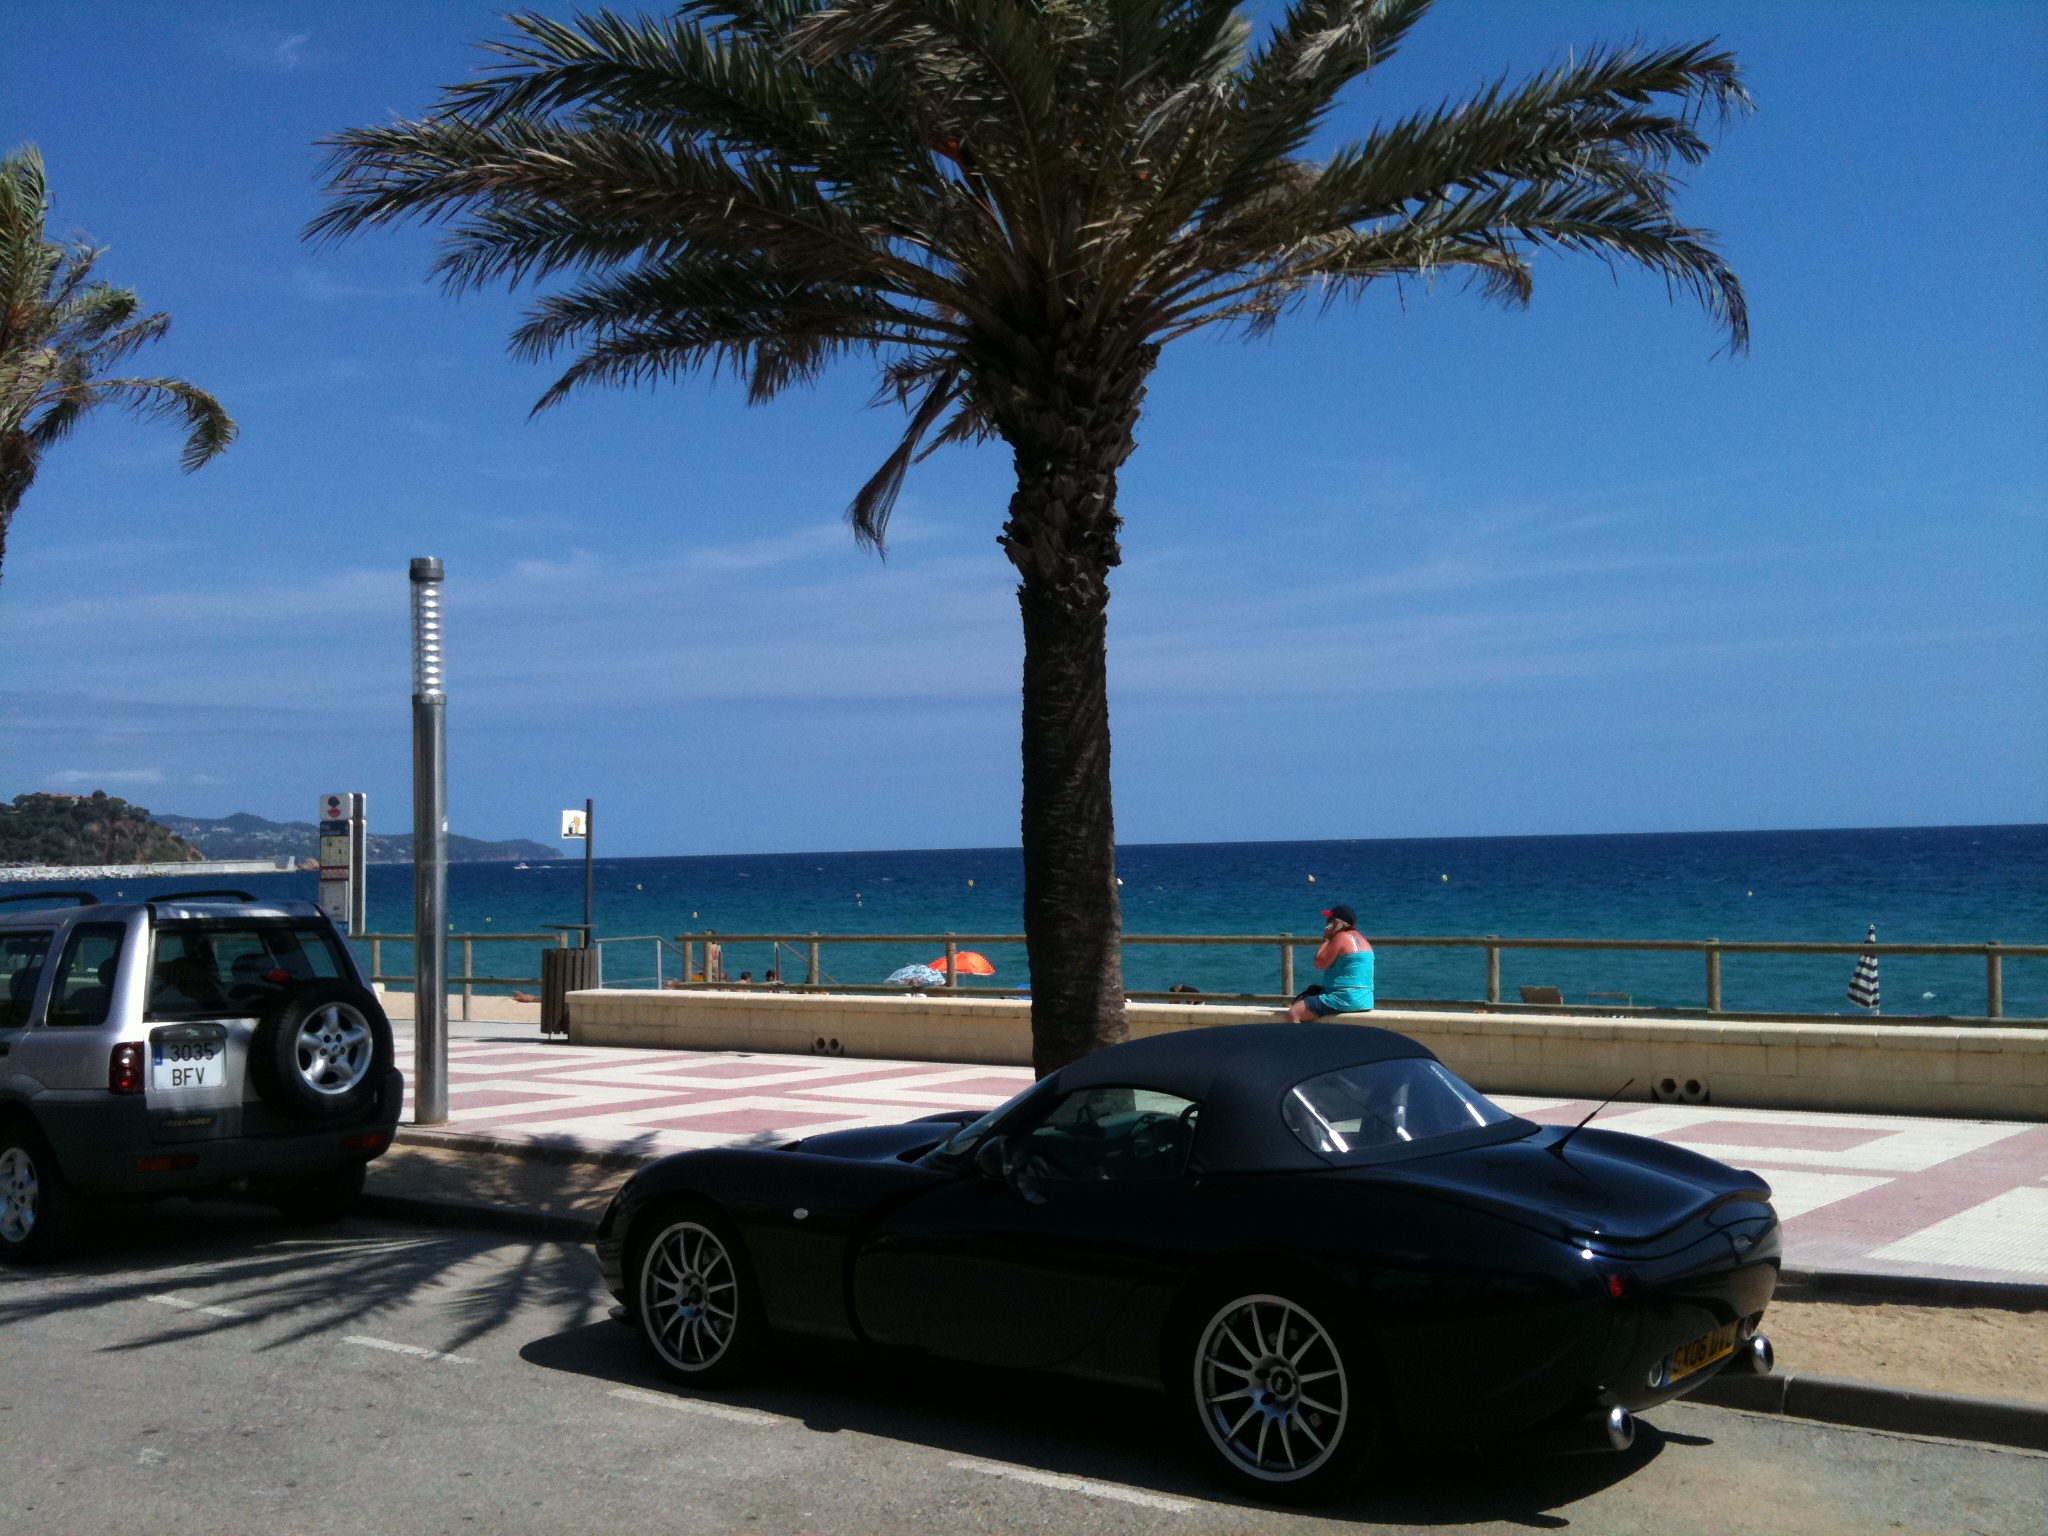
(21, 967)
(85, 980)
(1096, 1134)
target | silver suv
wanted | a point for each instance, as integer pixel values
(198, 1042)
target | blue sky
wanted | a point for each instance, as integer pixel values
(1421, 566)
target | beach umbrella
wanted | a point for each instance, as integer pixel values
(916, 976)
(1863, 985)
(969, 964)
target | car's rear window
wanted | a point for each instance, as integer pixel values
(203, 969)
(1365, 1112)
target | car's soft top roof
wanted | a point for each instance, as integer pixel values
(1239, 1073)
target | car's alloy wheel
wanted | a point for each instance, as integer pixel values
(20, 1196)
(38, 1212)
(689, 1297)
(1272, 1391)
(334, 1049)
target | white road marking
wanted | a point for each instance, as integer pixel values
(697, 1406)
(1084, 1485)
(196, 1306)
(406, 1349)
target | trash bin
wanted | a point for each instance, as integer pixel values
(563, 971)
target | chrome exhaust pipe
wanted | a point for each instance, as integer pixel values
(1620, 1425)
(1758, 1355)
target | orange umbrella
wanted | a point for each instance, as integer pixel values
(971, 964)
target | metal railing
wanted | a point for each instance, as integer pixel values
(695, 952)
(468, 977)
(808, 945)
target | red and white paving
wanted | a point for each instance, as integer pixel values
(1961, 1199)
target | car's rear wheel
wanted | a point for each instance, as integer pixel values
(38, 1211)
(1282, 1391)
(694, 1299)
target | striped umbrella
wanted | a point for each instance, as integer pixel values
(1863, 985)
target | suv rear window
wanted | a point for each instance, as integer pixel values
(205, 969)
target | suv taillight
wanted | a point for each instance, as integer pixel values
(124, 1068)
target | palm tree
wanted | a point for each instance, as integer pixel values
(1011, 206)
(59, 331)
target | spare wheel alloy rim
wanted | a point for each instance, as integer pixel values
(689, 1296)
(19, 1189)
(333, 1049)
(1271, 1388)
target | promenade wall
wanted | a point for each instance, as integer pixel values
(1899, 1068)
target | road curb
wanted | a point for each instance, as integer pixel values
(1867, 1405)
(1912, 1290)
(533, 1149)
(490, 1218)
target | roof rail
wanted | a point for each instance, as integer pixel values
(200, 896)
(83, 898)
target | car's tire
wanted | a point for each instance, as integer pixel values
(1279, 1387)
(38, 1210)
(321, 1051)
(691, 1294)
(330, 1196)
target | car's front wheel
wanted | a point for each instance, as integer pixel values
(1283, 1394)
(38, 1211)
(694, 1299)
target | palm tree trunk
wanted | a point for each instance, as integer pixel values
(1061, 536)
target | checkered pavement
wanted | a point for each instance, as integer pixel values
(1962, 1199)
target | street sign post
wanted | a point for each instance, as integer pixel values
(575, 825)
(344, 869)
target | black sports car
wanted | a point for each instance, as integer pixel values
(1316, 1238)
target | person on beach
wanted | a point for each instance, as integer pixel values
(1345, 958)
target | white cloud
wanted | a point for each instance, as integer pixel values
(102, 776)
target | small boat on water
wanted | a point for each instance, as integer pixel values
(519, 866)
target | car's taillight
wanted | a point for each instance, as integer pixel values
(1617, 1287)
(124, 1068)
(369, 1141)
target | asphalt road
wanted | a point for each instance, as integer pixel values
(203, 1368)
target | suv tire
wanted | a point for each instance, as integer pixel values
(321, 1051)
(38, 1211)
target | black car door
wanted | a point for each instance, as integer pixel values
(1030, 1269)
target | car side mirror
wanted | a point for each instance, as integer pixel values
(991, 1159)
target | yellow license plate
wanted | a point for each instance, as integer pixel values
(1701, 1353)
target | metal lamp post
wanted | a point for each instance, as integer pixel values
(429, 850)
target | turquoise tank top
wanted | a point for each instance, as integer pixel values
(1347, 984)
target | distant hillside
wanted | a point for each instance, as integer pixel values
(86, 829)
(243, 836)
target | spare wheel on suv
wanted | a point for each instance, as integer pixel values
(321, 1051)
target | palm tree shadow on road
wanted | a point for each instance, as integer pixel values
(255, 1270)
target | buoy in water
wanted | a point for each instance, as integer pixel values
(970, 882)
(1444, 877)
(1311, 879)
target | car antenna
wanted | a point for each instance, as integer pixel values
(1557, 1146)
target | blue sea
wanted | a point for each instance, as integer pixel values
(1916, 884)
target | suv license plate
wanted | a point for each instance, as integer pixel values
(177, 1066)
